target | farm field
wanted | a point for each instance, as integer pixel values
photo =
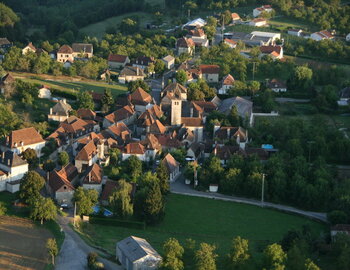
(67, 84)
(22, 241)
(218, 224)
(284, 22)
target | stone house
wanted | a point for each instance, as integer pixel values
(277, 86)
(82, 50)
(130, 74)
(210, 73)
(20, 140)
(29, 48)
(60, 112)
(64, 54)
(324, 34)
(276, 52)
(126, 114)
(86, 157)
(137, 254)
(141, 100)
(226, 84)
(60, 188)
(7, 84)
(172, 166)
(259, 22)
(185, 45)
(117, 61)
(93, 177)
(169, 61)
(143, 62)
(12, 170)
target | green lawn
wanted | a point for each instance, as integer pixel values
(284, 22)
(98, 87)
(207, 220)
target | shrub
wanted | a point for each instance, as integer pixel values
(92, 259)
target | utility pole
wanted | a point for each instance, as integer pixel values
(254, 63)
(262, 190)
(75, 212)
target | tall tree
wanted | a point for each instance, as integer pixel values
(7, 16)
(30, 156)
(52, 249)
(181, 76)
(173, 253)
(205, 257)
(163, 176)
(154, 204)
(310, 265)
(85, 200)
(239, 254)
(85, 100)
(120, 199)
(63, 158)
(274, 257)
(107, 100)
(43, 209)
(133, 167)
(30, 187)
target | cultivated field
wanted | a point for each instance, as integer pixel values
(206, 220)
(22, 244)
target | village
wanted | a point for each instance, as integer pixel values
(184, 126)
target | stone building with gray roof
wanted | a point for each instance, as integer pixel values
(60, 112)
(244, 107)
(136, 253)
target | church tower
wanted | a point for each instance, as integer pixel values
(176, 110)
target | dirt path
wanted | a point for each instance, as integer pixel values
(22, 244)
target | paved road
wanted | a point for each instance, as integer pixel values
(295, 100)
(179, 187)
(74, 250)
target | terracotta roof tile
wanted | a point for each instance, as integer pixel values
(117, 58)
(192, 121)
(25, 136)
(65, 49)
(87, 152)
(94, 175)
(209, 69)
(140, 97)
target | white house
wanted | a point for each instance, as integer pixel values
(295, 32)
(130, 74)
(44, 92)
(172, 166)
(226, 84)
(272, 36)
(210, 73)
(259, 22)
(344, 97)
(169, 61)
(265, 8)
(324, 34)
(20, 140)
(29, 48)
(277, 86)
(231, 43)
(117, 61)
(12, 170)
(135, 253)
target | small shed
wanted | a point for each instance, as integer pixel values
(136, 253)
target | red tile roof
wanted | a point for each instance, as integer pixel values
(87, 152)
(270, 49)
(185, 43)
(25, 136)
(58, 180)
(134, 149)
(140, 97)
(209, 69)
(65, 49)
(228, 80)
(121, 114)
(192, 121)
(117, 58)
(94, 175)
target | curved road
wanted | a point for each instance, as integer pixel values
(179, 187)
(74, 251)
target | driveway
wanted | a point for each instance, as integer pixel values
(179, 187)
(74, 251)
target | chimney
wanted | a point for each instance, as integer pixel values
(50, 110)
(137, 71)
(191, 111)
(228, 133)
(215, 150)
(89, 177)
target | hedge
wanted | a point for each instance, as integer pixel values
(64, 93)
(117, 222)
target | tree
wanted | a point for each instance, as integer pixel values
(63, 158)
(30, 187)
(132, 86)
(129, 26)
(107, 100)
(120, 199)
(181, 76)
(7, 16)
(52, 248)
(211, 172)
(310, 265)
(163, 177)
(173, 253)
(2, 209)
(85, 200)
(133, 167)
(337, 217)
(274, 257)
(85, 101)
(30, 156)
(239, 254)
(114, 154)
(233, 117)
(205, 257)
(49, 165)
(159, 66)
(43, 209)
(154, 204)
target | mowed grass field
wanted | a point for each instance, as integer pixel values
(67, 84)
(207, 220)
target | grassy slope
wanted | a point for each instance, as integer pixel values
(66, 83)
(206, 220)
